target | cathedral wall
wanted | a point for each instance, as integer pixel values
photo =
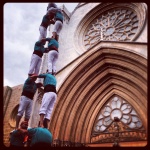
(67, 49)
(78, 103)
(71, 43)
(9, 118)
(139, 48)
(6, 97)
(143, 36)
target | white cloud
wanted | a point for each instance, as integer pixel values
(21, 31)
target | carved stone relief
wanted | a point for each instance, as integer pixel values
(114, 25)
(112, 22)
(118, 120)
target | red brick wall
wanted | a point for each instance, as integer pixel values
(13, 102)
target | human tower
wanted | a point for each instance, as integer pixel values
(53, 16)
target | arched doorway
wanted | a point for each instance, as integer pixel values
(102, 74)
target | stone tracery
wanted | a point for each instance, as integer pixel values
(117, 107)
(117, 121)
(114, 25)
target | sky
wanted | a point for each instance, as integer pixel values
(21, 23)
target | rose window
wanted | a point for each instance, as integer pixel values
(113, 25)
(117, 108)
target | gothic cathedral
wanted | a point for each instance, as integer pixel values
(102, 79)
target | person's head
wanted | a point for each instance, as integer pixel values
(24, 125)
(51, 5)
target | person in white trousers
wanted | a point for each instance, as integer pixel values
(58, 24)
(49, 98)
(36, 57)
(26, 99)
(52, 54)
(47, 20)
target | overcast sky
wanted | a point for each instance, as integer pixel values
(21, 31)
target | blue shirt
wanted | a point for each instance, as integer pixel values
(30, 86)
(39, 135)
(39, 47)
(48, 79)
(45, 21)
(16, 138)
(52, 42)
(59, 16)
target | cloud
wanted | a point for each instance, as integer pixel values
(21, 31)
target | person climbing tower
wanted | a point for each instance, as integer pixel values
(51, 5)
(52, 51)
(36, 57)
(58, 18)
(52, 9)
(37, 137)
(26, 99)
(47, 20)
(49, 98)
(16, 137)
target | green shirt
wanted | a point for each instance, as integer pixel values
(16, 138)
(39, 135)
(45, 21)
(59, 16)
(52, 42)
(30, 86)
(48, 79)
(39, 47)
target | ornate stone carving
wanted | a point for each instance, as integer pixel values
(118, 119)
(114, 25)
(111, 22)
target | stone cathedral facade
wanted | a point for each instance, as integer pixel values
(102, 79)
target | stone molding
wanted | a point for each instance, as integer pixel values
(138, 8)
(101, 74)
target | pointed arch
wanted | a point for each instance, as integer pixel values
(106, 71)
(12, 120)
(119, 113)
